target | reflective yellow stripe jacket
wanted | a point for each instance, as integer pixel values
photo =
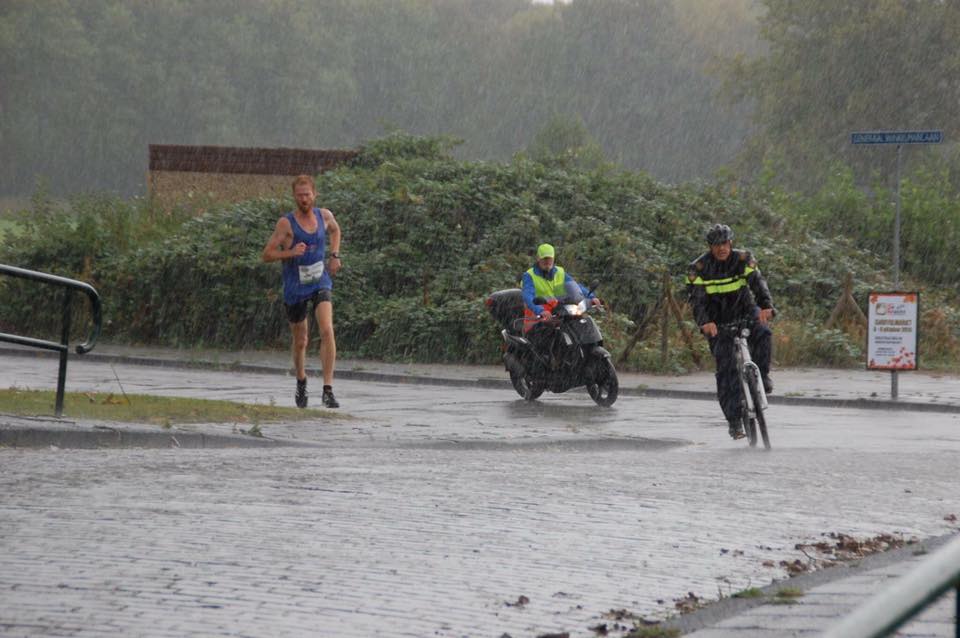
(723, 291)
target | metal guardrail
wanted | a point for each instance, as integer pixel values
(69, 285)
(909, 595)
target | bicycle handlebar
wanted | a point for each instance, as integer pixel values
(742, 322)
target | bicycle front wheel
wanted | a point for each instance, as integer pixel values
(751, 425)
(761, 418)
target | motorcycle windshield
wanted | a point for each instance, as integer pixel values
(572, 292)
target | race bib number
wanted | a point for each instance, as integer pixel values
(311, 274)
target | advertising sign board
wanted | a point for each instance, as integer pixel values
(892, 327)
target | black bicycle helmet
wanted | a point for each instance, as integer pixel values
(719, 234)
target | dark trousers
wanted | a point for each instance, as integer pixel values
(728, 383)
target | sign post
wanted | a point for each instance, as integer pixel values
(899, 138)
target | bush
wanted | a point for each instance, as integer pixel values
(798, 343)
(427, 237)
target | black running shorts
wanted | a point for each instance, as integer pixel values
(298, 311)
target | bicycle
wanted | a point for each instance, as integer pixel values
(753, 397)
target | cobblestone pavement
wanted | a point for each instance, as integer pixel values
(923, 387)
(817, 609)
(433, 511)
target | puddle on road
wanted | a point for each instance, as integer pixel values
(607, 444)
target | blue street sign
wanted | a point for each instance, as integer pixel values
(897, 137)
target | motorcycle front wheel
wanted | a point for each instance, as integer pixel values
(604, 391)
(525, 387)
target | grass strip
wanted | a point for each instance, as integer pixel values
(145, 408)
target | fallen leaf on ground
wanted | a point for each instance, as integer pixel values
(619, 614)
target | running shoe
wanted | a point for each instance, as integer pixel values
(301, 396)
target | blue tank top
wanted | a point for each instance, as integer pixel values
(306, 274)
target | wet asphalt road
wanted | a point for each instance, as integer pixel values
(433, 510)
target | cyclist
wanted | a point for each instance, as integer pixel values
(725, 286)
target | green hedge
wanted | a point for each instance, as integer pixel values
(425, 239)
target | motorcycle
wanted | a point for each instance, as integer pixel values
(570, 353)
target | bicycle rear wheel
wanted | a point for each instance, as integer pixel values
(761, 418)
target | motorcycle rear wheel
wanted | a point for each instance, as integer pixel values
(604, 392)
(525, 387)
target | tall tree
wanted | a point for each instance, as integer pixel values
(48, 87)
(88, 85)
(836, 67)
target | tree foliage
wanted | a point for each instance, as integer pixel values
(426, 238)
(832, 68)
(89, 85)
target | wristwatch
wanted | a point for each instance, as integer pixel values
(334, 255)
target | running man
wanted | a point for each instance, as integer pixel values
(299, 241)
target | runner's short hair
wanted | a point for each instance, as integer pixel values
(303, 179)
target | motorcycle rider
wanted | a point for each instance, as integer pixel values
(547, 280)
(725, 286)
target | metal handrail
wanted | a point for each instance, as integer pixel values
(63, 347)
(882, 614)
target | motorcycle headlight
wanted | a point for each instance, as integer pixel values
(573, 310)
